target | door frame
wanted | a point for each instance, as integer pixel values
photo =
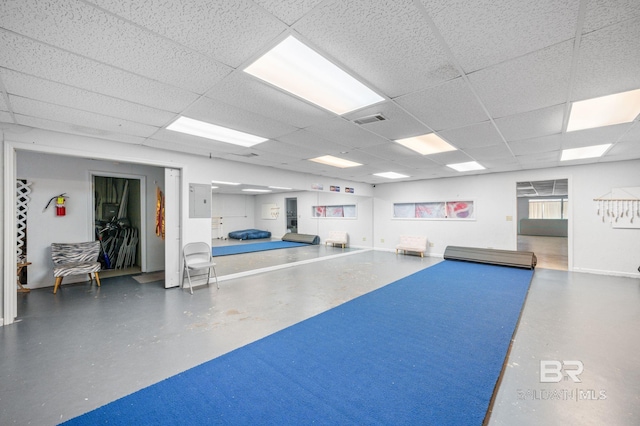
(143, 208)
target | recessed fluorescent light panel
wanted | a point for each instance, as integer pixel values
(330, 160)
(391, 175)
(256, 190)
(220, 182)
(298, 69)
(426, 144)
(280, 187)
(584, 152)
(211, 131)
(466, 167)
(604, 111)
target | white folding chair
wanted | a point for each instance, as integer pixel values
(197, 256)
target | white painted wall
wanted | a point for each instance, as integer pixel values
(594, 246)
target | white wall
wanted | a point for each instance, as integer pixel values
(594, 246)
(52, 175)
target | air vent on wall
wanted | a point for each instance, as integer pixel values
(370, 119)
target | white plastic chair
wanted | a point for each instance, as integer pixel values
(197, 256)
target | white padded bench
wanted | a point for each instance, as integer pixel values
(412, 244)
(337, 237)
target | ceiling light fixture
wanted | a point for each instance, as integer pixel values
(391, 175)
(294, 67)
(255, 190)
(426, 144)
(280, 187)
(224, 183)
(604, 111)
(211, 131)
(584, 152)
(330, 160)
(466, 167)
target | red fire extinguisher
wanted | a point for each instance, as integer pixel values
(61, 210)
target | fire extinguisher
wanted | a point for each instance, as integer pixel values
(61, 210)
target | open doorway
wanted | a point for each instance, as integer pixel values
(292, 215)
(543, 221)
(118, 218)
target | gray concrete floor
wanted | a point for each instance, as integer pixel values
(86, 346)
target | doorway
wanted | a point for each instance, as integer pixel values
(118, 202)
(543, 221)
(292, 215)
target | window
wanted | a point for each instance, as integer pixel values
(435, 210)
(548, 208)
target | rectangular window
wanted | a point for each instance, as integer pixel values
(435, 210)
(548, 209)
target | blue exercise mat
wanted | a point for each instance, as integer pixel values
(427, 349)
(253, 247)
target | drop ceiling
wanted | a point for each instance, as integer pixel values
(494, 79)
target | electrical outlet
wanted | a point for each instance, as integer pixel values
(364, 238)
(509, 218)
(431, 244)
(382, 240)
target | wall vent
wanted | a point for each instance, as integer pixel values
(370, 119)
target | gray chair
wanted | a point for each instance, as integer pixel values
(197, 257)
(75, 259)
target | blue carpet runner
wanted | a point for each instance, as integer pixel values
(427, 349)
(253, 247)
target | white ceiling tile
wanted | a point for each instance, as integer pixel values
(450, 157)
(3, 103)
(623, 151)
(71, 25)
(26, 86)
(499, 152)
(264, 156)
(448, 105)
(485, 32)
(29, 107)
(221, 114)
(602, 13)
(292, 152)
(346, 133)
(29, 57)
(532, 124)
(248, 93)
(390, 45)
(313, 141)
(77, 129)
(537, 80)
(537, 145)
(5, 117)
(596, 136)
(229, 32)
(609, 61)
(288, 11)
(632, 134)
(473, 136)
(398, 124)
(544, 159)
